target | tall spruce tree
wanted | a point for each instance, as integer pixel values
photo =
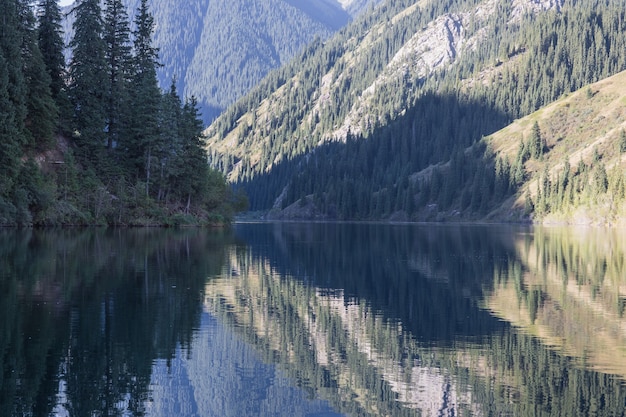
(11, 35)
(51, 45)
(89, 81)
(170, 125)
(50, 37)
(9, 144)
(193, 177)
(42, 112)
(143, 141)
(118, 55)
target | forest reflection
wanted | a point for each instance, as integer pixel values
(395, 320)
(567, 286)
(364, 319)
(84, 313)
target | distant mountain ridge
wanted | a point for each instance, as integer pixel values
(218, 50)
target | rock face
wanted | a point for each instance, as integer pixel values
(435, 47)
(303, 209)
(355, 7)
(521, 7)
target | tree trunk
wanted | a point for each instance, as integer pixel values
(148, 172)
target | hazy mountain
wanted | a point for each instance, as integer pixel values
(218, 50)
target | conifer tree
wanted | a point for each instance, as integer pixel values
(51, 45)
(622, 141)
(9, 134)
(535, 142)
(170, 121)
(193, 177)
(89, 79)
(50, 38)
(11, 35)
(143, 137)
(42, 112)
(118, 56)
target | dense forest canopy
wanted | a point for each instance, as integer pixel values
(386, 119)
(97, 141)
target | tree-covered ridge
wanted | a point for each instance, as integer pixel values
(218, 50)
(409, 133)
(96, 142)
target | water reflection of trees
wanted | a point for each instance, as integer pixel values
(399, 270)
(85, 313)
(568, 286)
(346, 319)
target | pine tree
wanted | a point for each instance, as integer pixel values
(193, 178)
(50, 38)
(600, 180)
(118, 57)
(170, 121)
(9, 143)
(622, 141)
(143, 141)
(535, 142)
(11, 36)
(51, 45)
(42, 116)
(89, 81)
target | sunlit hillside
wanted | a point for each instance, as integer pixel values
(579, 176)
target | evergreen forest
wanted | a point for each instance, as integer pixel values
(96, 141)
(361, 127)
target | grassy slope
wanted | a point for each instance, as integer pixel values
(573, 127)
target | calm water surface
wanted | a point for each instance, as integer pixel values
(313, 320)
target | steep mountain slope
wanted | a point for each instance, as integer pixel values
(384, 120)
(218, 50)
(246, 41)
(579, 177)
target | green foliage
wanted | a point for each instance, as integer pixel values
(536, 144)
(89, 81)
(41, 108)
(119, 67)
(622, 141)
(51, 44)
(221, 49)
(9, 135)
(135, 156)
(35, 193)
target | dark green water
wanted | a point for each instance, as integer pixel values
(313, 320)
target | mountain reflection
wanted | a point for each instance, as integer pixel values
(313, 319)
(383, 320)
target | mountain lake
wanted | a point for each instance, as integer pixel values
(313, 319)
